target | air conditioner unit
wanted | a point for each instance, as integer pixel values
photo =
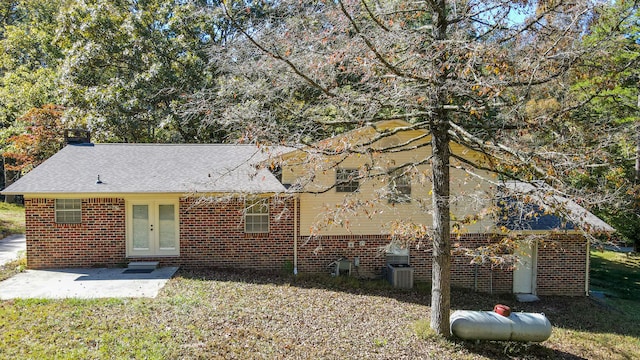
(397, 255)
(393, 259)
(400, 275)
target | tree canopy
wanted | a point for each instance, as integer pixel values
(129, 65)
(30, 58)
(608, 83)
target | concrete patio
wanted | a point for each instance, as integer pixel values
(85, 283)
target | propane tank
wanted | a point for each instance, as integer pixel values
(489, 325)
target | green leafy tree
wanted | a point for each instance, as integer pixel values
(608, 81)
(30, 59)
(130, 64)
(28, 63)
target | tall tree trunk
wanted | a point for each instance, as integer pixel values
(636, 241)
(637, 168)
(8, 178)
(441, 268)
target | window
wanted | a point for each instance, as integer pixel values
(399, 188)
(256, 219)
(68, 211)
(346, 180)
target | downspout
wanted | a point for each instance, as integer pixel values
(586, 277)
(295, 235)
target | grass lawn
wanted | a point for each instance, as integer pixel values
(617, 276)
(218, 315)
(11, 219)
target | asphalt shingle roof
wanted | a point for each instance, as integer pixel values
(150, 168)
(543, 206)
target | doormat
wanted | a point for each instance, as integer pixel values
(138, 271)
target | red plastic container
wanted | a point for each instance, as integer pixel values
(503, 310)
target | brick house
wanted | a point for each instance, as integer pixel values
(225, 206)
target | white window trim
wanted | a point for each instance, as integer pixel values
(65, 210)
(250, 203)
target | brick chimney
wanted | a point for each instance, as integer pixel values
(77, 136)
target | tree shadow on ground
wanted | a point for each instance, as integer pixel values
(619, 278)
(512, 350)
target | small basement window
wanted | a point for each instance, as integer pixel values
(256, 218)
(68, 211)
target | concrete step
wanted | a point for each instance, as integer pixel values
(143, 265)
(527, 298)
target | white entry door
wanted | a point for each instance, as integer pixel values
(152, 228)
(524, 274)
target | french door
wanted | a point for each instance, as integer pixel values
(152, 228)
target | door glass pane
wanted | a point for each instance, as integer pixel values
(167, 227)
(140, 227)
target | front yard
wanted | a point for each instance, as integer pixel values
(249, 316)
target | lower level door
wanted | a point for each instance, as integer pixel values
(524, 274)
(153, 229)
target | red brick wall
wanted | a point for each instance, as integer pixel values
(212, 235)
(562, 261)
(561, 267)
(316, 254)
(98, 241)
